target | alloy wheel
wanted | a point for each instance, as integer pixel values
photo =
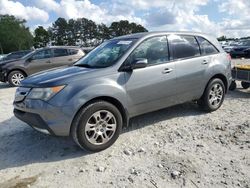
(17, 78)
(216, 95)
(100, 127)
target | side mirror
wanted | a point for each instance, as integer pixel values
(29, 59)
(139, 63)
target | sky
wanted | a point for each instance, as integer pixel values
(216, 17)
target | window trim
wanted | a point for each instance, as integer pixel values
(218, 51)
(157, 36)
(52, 54)
(184, 58)
(60, 49)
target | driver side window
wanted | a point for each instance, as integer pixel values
(43, 54)
(155, 50)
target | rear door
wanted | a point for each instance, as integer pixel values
(190, 66)
(40, 61)
(153, 87)
(64, 56)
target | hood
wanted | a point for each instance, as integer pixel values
(58, 76)
(8, 61)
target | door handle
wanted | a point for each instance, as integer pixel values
(167, 70)
(70, 59)
(48, 61)
(204, 62)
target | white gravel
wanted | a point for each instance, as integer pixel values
(176, 147)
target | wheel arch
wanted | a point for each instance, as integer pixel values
(16, 69)
(112, 100)
(222, 77)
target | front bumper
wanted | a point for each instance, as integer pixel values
(45, 117)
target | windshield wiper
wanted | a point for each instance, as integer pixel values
(83, 65)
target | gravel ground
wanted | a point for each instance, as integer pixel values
(175, 147)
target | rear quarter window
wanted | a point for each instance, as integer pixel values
(183, 46)
(72, 51)
(207, 48)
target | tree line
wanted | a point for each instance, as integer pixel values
(14, 35)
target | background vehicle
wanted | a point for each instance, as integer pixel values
(239, 50)
(122, 78)
(39, 60)
(15, 55)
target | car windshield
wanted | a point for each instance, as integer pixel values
(107, 54)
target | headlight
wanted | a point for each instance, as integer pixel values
(44, 93)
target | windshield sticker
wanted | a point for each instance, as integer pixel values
(124, 42)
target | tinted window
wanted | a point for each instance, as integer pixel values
(43, 54)
(183, 46)
(60, 52)
(206, 47)
(155, 50)
(72, 51)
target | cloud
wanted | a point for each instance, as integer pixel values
(49, 5)
(21, 11)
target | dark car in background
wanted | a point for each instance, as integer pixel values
(15, 55)
(14, 71)
(240, 50)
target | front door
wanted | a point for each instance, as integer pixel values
(153, 87)
(41, 60)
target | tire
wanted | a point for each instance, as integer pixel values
(245, 85)
(213, 96)
(15, 77)
(93, 139)
(233, 86)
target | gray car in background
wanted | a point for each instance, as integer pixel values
(122, 78)
(14, 71)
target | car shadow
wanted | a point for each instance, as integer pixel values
(239, 93)
(21, 145)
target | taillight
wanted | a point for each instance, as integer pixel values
(229, 57)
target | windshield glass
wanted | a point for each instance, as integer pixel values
(106, 54)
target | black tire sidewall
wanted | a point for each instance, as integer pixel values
(10, 77)
(86, 114)
(207, 104)
(245, 85)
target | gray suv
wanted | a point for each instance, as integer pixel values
(14, 71)
(122, 78)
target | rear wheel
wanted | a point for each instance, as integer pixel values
(213, 96)
(15, 78)
(97, 126)
(245, 85)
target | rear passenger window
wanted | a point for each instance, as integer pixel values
(72, 51)
(155, 50)
(183, 46)
(206, 47)
(60, 52)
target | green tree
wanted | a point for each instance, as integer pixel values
(14, 35)
(41, 38)
(59, 32)
(123, 27)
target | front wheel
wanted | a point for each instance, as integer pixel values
(213, 96)
(15, 78)
(245, 85)
(97, 126)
